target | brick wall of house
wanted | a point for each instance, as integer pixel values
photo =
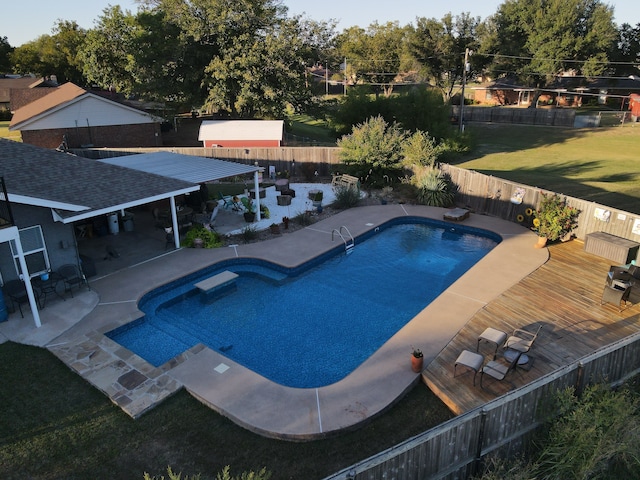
(140, 135)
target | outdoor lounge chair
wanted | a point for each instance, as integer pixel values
(521, 340)
(617, 294)
(72, 277)
(226, 201)
(617, 273)
(499, 369)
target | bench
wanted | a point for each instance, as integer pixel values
(345, 181)
(216, 282)
(609, 246)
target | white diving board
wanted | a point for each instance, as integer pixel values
(219, 280)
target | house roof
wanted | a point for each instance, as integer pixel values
(182, 167)
(59, 96)
(77, 188)
(241, 130)
(64, 97)
(9, 83)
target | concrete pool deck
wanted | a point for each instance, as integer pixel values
(73, 331)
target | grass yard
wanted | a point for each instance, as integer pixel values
(5, 133)
(600, 165)
(312, 129)
(55, 425)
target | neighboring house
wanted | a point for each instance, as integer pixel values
(19, 97)
(71, 117)
(241, 133)
(504, 91)
(9, 84)
(565, 91)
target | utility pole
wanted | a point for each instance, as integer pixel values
(326, 78)
(345, 75)
(467, 52)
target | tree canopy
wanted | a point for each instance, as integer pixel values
(54, 54)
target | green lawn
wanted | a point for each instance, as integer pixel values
(5, 133)
(600, 165)
(55, 425)
(312, 129)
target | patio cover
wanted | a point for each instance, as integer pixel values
(182, 167)
(187, 168)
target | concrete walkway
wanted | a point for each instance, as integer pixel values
(73, 330)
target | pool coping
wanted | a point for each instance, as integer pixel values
(253, 401)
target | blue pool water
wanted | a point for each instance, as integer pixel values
(313, 325)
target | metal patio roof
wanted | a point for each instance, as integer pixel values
(182, 167)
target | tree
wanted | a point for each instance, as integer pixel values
(146, 55)
(55, 54)
(5, 53)
(625, 54)
(374, 150)
(374, 56)
(438, 46)
(540, 39)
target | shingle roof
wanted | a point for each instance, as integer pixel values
(78, 187)
(59, 96)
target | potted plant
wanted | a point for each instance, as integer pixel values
(554, 219)
(417, 360)
(250, 212)
(275, 228)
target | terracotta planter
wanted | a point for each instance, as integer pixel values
(275, 229)
(417, 363)
(542, 242)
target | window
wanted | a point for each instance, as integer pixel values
(34, 249)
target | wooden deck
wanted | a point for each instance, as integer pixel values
(564, 296)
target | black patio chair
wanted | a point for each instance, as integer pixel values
(17, 294)
(72, 277)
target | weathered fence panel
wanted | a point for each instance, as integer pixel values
(528, 116)
(452, 450)
(493, 196)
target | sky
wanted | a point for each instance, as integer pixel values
(23, 22)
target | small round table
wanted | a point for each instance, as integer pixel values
(282, 184)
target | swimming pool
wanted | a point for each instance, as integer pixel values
(310, 326)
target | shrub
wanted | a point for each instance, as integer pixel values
(249, 233)
(303, 219)
(210, 238)
(434, 187)
(346, 197)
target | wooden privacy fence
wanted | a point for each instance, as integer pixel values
(454, 449)
(493, 196)
(529, 116)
